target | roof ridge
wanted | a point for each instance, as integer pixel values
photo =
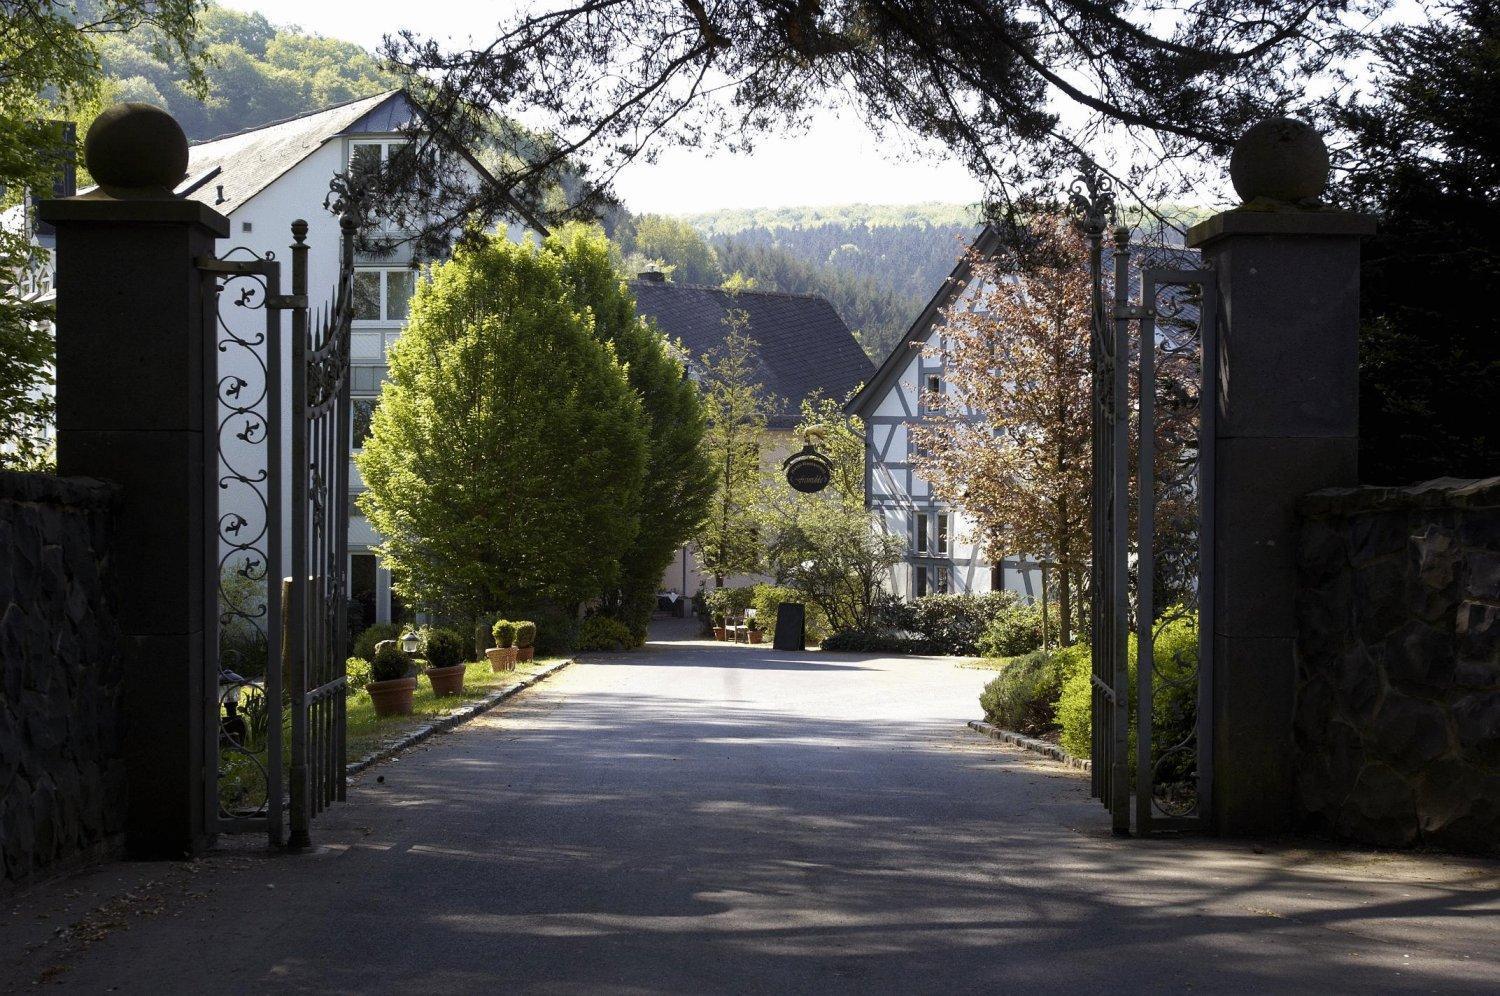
(295, 117)
(725, 290)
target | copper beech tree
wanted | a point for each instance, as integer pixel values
(1009, 440)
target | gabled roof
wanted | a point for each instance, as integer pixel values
(804, 346)
(226, 172)
(247, 162)
(984, 244)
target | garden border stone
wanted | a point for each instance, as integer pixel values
(1032, 744)
(457, 718)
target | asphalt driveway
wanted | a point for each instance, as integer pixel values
(698, 818)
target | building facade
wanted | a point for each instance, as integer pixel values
(942, 554)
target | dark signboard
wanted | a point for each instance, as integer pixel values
(808, 470)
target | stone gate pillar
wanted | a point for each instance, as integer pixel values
(1288, 279)
(130, 409)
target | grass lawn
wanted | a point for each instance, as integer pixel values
(986, 663)
(367, 731)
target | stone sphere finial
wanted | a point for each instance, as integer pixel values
(136, 146)
(1281, 159)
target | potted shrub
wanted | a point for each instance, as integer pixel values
(720, 630)
(525, 640)
(752, 626)
(445, 662)
(391, 681)
(503, 654)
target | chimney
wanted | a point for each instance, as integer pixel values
(652, 277)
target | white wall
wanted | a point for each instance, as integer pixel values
(897, 494)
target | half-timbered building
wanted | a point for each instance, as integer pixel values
(942, 551)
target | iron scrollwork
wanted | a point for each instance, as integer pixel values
(244, 454)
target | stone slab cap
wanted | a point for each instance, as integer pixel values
(49, 489)
(1443, 492)
(1281, 219)
(137, 153)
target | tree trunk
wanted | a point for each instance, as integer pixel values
(1064, 609)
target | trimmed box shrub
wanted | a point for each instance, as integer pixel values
(504, 632)
(444, 648)
(389, 663)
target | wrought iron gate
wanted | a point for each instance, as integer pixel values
(1171, 781)
(274, 578)
(316, 603)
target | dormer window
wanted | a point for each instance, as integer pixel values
(371, 153)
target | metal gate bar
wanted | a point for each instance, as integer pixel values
(1148, 815)
(320, 524)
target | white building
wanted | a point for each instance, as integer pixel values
(941, 552)
(265, 178)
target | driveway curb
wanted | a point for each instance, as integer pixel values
(392, 748)
(1032, 744)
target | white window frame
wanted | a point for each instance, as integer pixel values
(942, 533)
(385, 145)
(385, 304)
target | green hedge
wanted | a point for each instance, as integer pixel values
(1174, 693)
(604, 633)
(864, 641)
(1021, 696)
(1015, 630)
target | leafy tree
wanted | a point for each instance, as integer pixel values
(49, 72)
(728, 540)
(505, 460)
(1016, 89)
(1010, 442)
(689, 257)
(1422, 157)
(678, 481)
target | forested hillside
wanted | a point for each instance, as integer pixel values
(877, 265)
(256, 72)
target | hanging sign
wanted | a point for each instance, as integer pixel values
(807, 470)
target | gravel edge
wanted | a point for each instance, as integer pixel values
(393, 747)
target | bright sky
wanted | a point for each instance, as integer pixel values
(838, 162)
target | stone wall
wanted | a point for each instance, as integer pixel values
(1398, 689)
(62, 773)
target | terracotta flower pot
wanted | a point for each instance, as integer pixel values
(447, 680)
(501, 658)
(754, 636)
(719, 632)
(392, 698)
(525, 653)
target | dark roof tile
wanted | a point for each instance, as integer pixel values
(805, 347)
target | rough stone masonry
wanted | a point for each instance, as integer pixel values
(62, 773)
(1397, 724)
